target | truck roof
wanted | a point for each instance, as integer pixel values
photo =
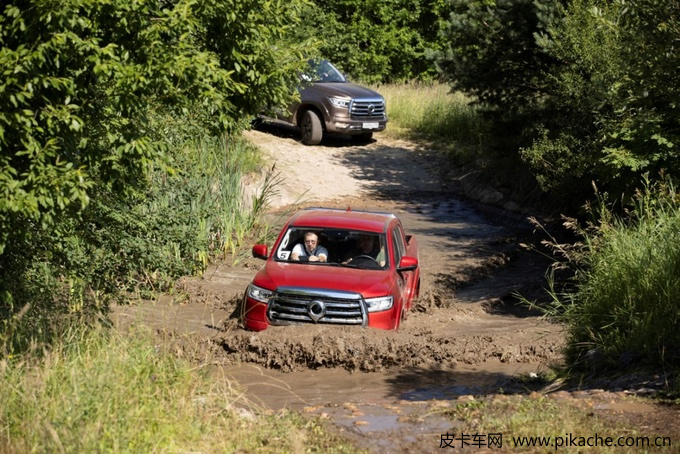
(370, 221)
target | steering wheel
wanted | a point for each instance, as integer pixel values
(373, 263)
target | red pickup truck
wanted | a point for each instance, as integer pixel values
(358, 268)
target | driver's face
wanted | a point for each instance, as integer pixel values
(311, 242)
(366, 243)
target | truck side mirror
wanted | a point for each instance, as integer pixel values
(407, 264)
(260, 251)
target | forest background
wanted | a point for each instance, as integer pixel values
(121, 159)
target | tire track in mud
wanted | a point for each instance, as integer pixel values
(374, 352)
(470, 259)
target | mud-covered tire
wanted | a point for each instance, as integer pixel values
(311, 130)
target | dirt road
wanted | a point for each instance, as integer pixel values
(466, 334)
(467, 337)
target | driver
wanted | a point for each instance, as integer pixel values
(367, 245)
(311, 251)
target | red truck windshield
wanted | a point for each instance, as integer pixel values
(344, 247)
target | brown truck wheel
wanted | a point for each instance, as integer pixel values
(310, 128)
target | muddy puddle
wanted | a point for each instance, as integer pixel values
(396, 410)
(332, 387)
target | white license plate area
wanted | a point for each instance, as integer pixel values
(371, 125)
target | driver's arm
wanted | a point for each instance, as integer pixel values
(381, 257)
(295, 255)
(323, 254)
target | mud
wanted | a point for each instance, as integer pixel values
(471, 262)
(467, 334)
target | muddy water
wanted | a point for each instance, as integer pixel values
(395, 411)
(331, 387)
(463, 339)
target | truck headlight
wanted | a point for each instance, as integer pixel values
(379, 304)
(339, 102)
(259, 294)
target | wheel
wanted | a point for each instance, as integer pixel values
(310, 128)
(363, 137)
(365, 261)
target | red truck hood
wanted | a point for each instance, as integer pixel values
(369, 283)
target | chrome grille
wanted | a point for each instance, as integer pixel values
(367, 108)
(298, 305)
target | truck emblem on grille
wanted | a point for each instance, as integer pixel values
(316, 310)
(371, 108)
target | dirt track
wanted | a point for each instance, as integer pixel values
(471, 264)
(467, 335)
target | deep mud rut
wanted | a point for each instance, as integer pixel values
(466, 336)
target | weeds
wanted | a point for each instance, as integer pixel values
(623, 305)
(97, 391)
(431, 110)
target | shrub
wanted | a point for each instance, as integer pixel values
(625, 302)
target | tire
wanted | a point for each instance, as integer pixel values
(310, 128)
(363, 137)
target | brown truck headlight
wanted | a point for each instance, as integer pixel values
(340, 102)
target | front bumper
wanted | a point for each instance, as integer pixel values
(349, 126)
(302, 306)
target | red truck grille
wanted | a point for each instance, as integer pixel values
(300, 305)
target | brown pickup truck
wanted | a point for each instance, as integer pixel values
(331, 104)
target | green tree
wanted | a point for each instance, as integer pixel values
(84, 158)
(79, 78)
(585, 85)
(615, 104)
(377, 40)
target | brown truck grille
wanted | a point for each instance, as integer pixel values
(367, 109)
(294, 305)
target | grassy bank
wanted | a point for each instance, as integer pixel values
(537, 423)
(623, 308)
(431, 111)
(103, 392)
(455, 126)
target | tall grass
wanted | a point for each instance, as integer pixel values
(100, 392)
(206, 196)
(457, 128)
(433, 111)
(134, 240)
(625, 305)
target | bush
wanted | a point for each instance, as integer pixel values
(191, 211)
(99, 194)
(581, 89)
(625, 303)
